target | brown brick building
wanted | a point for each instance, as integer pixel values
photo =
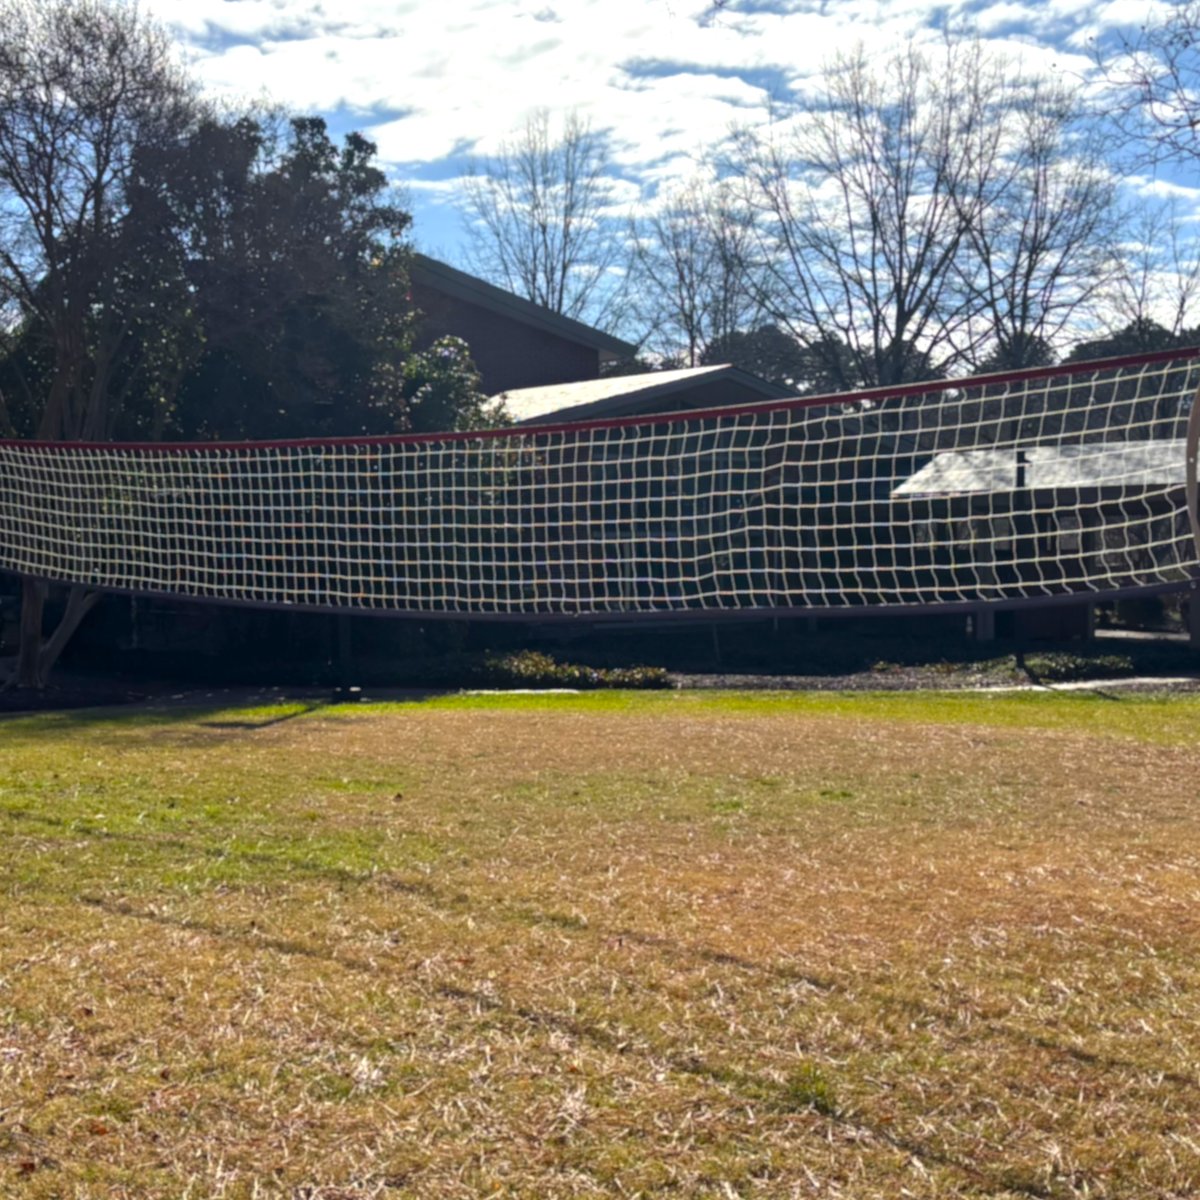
(514, 343)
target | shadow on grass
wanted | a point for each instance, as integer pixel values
(1033, 674)
(722, 958)
(1105, 1062)
(148, 715)
(267, 722)
(191, 708)
(571, 926)
(67, 719)
(462, 903)
(782, 1096)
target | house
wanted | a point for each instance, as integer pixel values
(720, 386)
(514, 343)
(1102, 467)
(1052, 519)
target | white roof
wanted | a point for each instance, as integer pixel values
(599, 397)
(1088, 465)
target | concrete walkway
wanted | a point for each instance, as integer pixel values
(1146, 683)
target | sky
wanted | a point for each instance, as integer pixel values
(436, 84)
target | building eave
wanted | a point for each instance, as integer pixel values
(644, 391)
(440, 276)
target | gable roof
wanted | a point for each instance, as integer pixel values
(439, 276)
(1087, 465)
(618, 395)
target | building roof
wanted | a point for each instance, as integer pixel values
(1087, 465)
(442, 277)
(619, 395)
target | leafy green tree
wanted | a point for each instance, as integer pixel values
(85, 88)
(441, 389)
(774, 354)
(1017, 352)
(165, 272)
(289, 249)
(292, 253)
(1142, 336)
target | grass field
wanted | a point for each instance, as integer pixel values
(702, 945)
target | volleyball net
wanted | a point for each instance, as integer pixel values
(1076, 481)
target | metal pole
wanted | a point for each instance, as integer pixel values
(1193, 451)
(984, 621)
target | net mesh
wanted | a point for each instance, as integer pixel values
(987, 490)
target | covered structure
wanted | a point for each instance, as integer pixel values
(718, 386)
(1050, 516)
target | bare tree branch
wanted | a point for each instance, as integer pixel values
(1153, 83)
(85, 87)
(537, 218)
(1041, 241)
(865, 196)
(1156, 274)
(927, 212)
(692, 257)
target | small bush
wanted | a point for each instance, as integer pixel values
(1063, 667)
(518, 669)
(533, 669)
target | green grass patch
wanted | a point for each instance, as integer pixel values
(611, 944)
(1162, 717)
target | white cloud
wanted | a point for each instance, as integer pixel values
(667, 78)
(470, 72)
(1151, 188)
(1117, 18)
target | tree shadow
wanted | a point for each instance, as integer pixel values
(746, 1086)
(267, 722)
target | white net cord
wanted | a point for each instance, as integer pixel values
(1008, 489)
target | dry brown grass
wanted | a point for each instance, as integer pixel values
(575, 950)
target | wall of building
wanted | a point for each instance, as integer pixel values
(509, 353)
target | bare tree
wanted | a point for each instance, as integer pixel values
(692, 260)
(1038, 250)
(1156, 276)
(537, 218)
(84, 86)
(1153, 82)
(866, 195)
(1150, 81)
(936, 210)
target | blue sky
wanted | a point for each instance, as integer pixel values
(435, 83)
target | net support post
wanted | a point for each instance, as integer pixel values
(1192, 492)
(344, 631)
(983, 623)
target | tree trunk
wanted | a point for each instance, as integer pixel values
(35, 656)
(29, 643)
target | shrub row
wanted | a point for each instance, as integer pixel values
(524, 669)
(1062, 666)
(532, 668)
